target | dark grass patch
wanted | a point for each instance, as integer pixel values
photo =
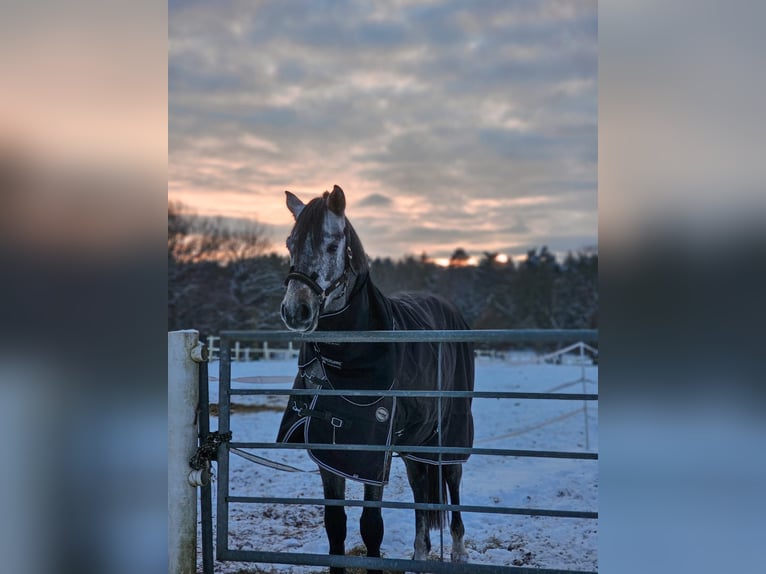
(237, 408)
(361, 550)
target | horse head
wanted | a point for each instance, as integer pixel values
(325, 256)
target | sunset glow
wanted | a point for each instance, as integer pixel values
(411, 108)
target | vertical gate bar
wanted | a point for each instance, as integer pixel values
(584, 390)
(439, 434)
(224, 387)
(206, 490)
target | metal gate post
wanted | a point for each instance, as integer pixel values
(206, 489)
(183, 386)
(224, 401)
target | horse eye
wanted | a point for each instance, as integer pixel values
(332, 248)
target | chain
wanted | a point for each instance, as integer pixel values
(208, 450)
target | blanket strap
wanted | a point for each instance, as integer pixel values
(337, 422)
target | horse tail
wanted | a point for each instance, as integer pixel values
(435, 519)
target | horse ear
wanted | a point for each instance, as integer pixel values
(336, 201)
(294, 204)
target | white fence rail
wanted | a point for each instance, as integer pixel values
(252, 353)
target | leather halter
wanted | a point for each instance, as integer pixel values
(310, 280)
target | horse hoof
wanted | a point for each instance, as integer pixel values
(459, 556)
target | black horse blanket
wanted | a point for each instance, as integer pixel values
(399, 421)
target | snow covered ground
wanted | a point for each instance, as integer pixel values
(562, 484)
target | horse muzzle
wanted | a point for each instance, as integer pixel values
(300, 311)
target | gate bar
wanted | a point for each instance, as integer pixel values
(440, 468)
(224, 404)
(420, 449)
(408, 393)
(444, 336)
(416, 506)
(396, 564)
(206, 490)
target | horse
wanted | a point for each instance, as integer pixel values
(329, 288)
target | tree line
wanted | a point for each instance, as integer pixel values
(222, 275)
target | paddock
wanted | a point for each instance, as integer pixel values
(530, 488)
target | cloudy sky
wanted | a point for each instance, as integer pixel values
(448, 124)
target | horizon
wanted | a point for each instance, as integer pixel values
(201, 224)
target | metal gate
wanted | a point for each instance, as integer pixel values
(222, 550)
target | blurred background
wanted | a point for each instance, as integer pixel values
(682, 245)
(83, 164)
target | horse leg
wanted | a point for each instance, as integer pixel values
(417, 473)
(335, 516)
(453, 474)
(371, 523)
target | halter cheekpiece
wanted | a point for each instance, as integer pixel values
(310, 280)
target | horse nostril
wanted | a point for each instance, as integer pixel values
(304, 312)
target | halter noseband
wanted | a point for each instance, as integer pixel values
(310, 280)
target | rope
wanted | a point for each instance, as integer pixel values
(570, 384)
(266, 462)
(531, 428)
(208, 450)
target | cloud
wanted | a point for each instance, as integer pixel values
(375, 200)
(412, 108)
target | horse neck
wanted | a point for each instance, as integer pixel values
(355, 314)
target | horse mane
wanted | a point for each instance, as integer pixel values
(359, 261)
(310, 223)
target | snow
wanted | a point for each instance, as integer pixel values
(561, 484)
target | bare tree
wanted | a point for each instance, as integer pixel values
(218, 275)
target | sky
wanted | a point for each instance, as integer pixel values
(448, 124)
